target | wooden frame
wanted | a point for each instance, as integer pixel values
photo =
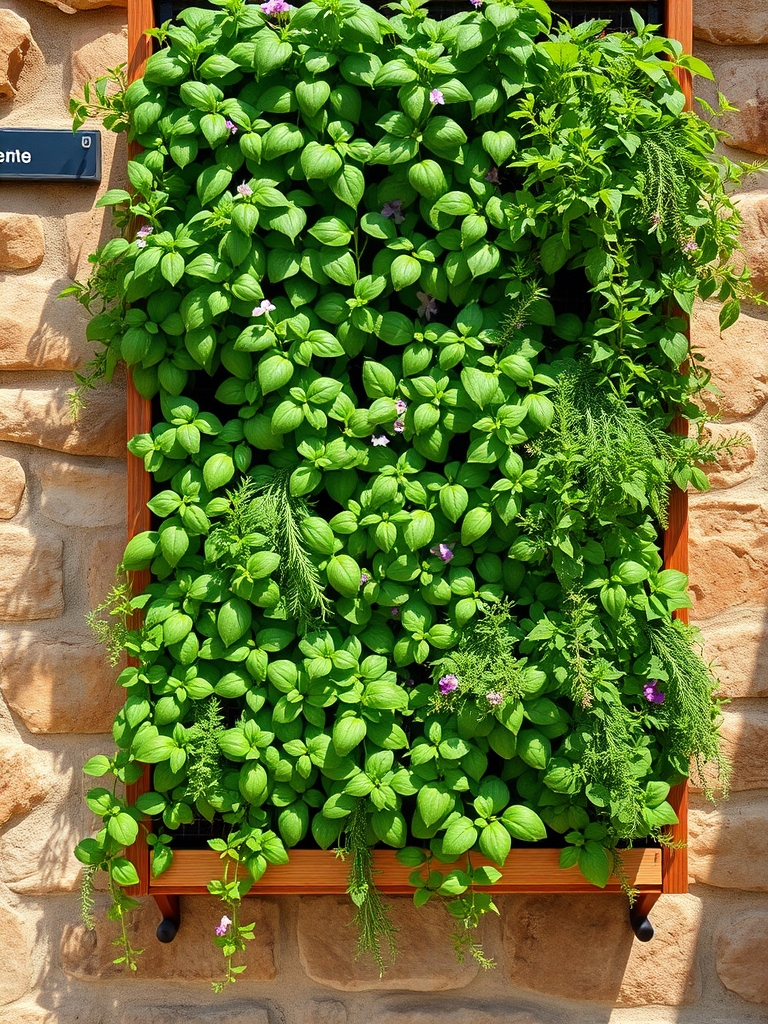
(651, 871)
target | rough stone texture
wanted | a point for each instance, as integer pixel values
(31, 581)
(738, 644)
(13, 480)
(325, 1011)
(742, 24)
(496, 1012)
(742, 81)
(15, 951)
(728, 555)
(84, 5)
(728, 844)
(190, 957)
(742, 955)
(59, 686)
(22, 243)
(83, 493)
(15, 40)
(86, 230)
(24, 780)
(606, 964)
(745, 742)
(753, 207)
(737, 357)
(425, 963)
(74, 1010)
(105, 555)
(734, 468)
(41, 416)
(96, 56)
(38, 330)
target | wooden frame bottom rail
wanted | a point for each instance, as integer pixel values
(321, 872)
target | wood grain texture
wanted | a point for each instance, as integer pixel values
(321, 872)
(139, 421)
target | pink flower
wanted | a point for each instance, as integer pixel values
(476, 3)
(380, 442)
(436, 97)
(448, 684)
(444, 551)
(265, 306)
(394, 209)
(364, 578)
(655, 219)
(143, 232)
(275, 7)
(690, 246)
(231, 127)
(428, 307)
(494, 697)
(400, 406)
(652, 693)
(395, 613)
(245, 190)
(223, 926)
(398, 426)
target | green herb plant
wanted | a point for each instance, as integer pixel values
(408, 297)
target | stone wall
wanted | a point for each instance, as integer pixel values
(560, 959)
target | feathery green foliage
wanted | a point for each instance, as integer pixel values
(371, 916)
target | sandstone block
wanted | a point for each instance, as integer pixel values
(744, 736)
(466, 1012)
(753, 207)
(742, 955)
(237, 1012)
(22, 243)
(59, 686)
(24, 780)
(95, 57)
(728, 844)
(325, 1011)
(738, 644)
(84, 493)
(734, 468)
(742, 82)
(728, 555)
(39, 330)
(73, 6)
(15, 953)
(41, 416)
(13, 480)
(15, 40)
(607, 964)
(191, 956)
(426, 961)
(102, 561)
(737, 357)
(31, 581)
(742, 24)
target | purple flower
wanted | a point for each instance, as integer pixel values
(436, 97)
(655, 219)
(143, 232)
(494, 697)
(652, 692)
(231, 127)
(223, 926)
(265, 306)
(275, 7)
(476, 3)
(690, 246)
(394, 209)
(400, 406)
(395, 613)
(364, 578)
(410, 682)
(444, 551)
(245, 190)
(448, 684)
(493, 176)
(380, 442)
(398, 426)
(428, 307)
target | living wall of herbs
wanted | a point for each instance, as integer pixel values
(408, 297)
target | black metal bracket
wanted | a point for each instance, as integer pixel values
(170, 908)
(638, 917)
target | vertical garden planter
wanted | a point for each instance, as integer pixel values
(651, 871)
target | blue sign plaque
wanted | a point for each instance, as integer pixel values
(50, 154)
